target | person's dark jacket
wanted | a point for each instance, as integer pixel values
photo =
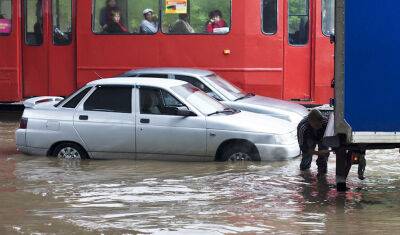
(114, 27)
(305, 132)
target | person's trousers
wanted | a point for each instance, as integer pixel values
(322, 161)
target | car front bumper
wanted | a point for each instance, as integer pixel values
(272, 152)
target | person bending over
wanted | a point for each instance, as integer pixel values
(310, 132)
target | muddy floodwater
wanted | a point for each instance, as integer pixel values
(44, 195)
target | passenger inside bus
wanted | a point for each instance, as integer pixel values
(5, 25)
(38, 26)
(149, 24)
(105, 12)
(216, 24)
(182, 25)
(115, 25)
(300, 36)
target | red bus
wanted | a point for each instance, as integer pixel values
(276, 48)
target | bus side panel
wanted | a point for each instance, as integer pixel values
(372, 75)
(323, 59)
(244, 56)
(62, 64)
(10, 77)
(263, 53)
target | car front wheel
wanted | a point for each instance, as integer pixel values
(240, 153)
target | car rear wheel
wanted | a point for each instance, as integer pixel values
(69, 151)
(240, 153)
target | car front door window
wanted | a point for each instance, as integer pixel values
(158, 102)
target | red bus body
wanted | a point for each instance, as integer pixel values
(265, 64)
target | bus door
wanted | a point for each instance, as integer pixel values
(48, 47)
(10, 85)
(297, 50)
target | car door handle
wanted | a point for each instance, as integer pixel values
(83, 117)
(144, 120)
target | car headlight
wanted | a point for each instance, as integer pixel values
(289, 138)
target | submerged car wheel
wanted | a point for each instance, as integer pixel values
(240, 153)
(69, 151)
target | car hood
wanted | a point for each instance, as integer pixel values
(250, 122)
(277, 108)
(275, 103)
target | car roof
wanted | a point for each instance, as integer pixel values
(170, 70)
(157, 82)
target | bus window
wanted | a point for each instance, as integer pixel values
(298, 22)
(62, 21)
(196, 16)
(33, 22)
(269, 16)
(5, 17)
(328, 17)
(125, 16)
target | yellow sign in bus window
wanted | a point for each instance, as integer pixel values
(176, 6)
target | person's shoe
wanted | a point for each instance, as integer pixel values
(321, 174)
(304, 168)
(341, 187)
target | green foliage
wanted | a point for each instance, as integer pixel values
(5, 8)
(298, 12)
(62, 10)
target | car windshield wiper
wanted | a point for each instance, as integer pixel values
(248, 95)
(227, 110)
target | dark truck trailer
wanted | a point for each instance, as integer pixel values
(367, 81)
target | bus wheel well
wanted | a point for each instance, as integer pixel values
(234, 142)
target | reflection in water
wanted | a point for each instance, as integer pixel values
(47, 195)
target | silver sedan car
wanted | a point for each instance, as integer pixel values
(226, 92)
(144, 118)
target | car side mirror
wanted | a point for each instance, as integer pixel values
(184, 111)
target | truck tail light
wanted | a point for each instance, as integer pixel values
(23, 124)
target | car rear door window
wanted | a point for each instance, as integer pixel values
(72, 103)
(110, 99)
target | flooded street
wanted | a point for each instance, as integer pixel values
(46, 195)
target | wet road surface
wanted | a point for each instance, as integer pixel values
(46, 195)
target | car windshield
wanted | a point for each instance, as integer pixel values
(233, 91)
(199, 99)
